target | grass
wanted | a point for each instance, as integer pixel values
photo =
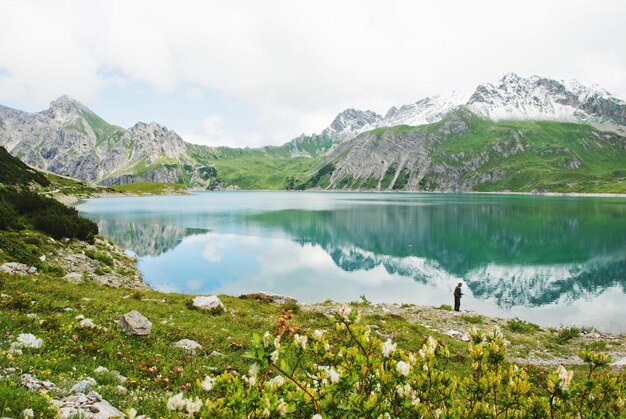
(516, 325)
(151, 188)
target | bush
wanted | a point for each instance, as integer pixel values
(567, 334)
(17, 250)
(47, 215)
(446, 307)
(520, 326)
(355, 374)
(8, 217)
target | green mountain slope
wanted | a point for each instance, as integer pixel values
(464, 152)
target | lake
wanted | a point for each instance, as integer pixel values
(550, 260)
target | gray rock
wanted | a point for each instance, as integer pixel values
(104, 410)
(17, 268)
(74, 277)
(268, 297)
(210, 303)
(188, 346)
(83, 387)
(27, 340)
(134, 323)
(87, 323)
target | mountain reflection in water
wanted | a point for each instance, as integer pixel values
(518, 255)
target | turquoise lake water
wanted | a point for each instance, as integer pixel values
(549, 260)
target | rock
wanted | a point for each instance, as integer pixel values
(267, 297)
(87, 323)
(210, 303)
(121, 389)
(104, 410)
(74, 277)
(83, 387)
(27, 340)
(620, 362)
(33, 384)
(42, 258)
(134, 323)
(100, 370)
(453, 333)
(217, 354)
(79, 317)
(32, 316)
(188, 346)
(17, 268)
(465, 338)
(28, 413)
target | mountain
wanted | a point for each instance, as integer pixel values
(466, 152)
(517, 133)
(512, 97)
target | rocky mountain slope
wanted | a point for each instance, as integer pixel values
(360, 149)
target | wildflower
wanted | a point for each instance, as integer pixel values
(254, 370)
(176, 402)
(281, 408)
(266, 339)
(274, 356)
(193, 406)
(565, 377)
(344, 313)
(318, 334)
(404, 391)
(277, 342)
(300, 341)
(276, 382)
(425, 367)
(388, 348)
(403, 368)
(317, 416)
(208, 383)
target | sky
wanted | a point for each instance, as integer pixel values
(253, 73)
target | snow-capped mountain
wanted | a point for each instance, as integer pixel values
(511, 97)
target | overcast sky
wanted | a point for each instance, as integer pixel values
(251, 73)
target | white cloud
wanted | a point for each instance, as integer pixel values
(298, 64)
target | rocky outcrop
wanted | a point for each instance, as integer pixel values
(267, 297)
(17, 268)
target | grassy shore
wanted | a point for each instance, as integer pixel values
(52, 308)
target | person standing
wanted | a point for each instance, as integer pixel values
(457, 297)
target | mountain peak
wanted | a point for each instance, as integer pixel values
(67, 105)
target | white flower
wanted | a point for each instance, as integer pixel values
(193, 406)
(344, 313)
(208, 383)
(300, 340)
(404, 391)
(266, 339)
(425, 367)
(176, 402)
(254, 370)
(388, 348)
(317, 416)
(28, 413)
(331, 373)
(403, 368)
(318, 334)
(274, 356)
(565, 377)
(437, 413)
(276, 382)
(281, 408)
(277, 342)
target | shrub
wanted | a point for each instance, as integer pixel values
(8, 217)
(567, 334)
(446, 307)
(520, 326)
(355, 374)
